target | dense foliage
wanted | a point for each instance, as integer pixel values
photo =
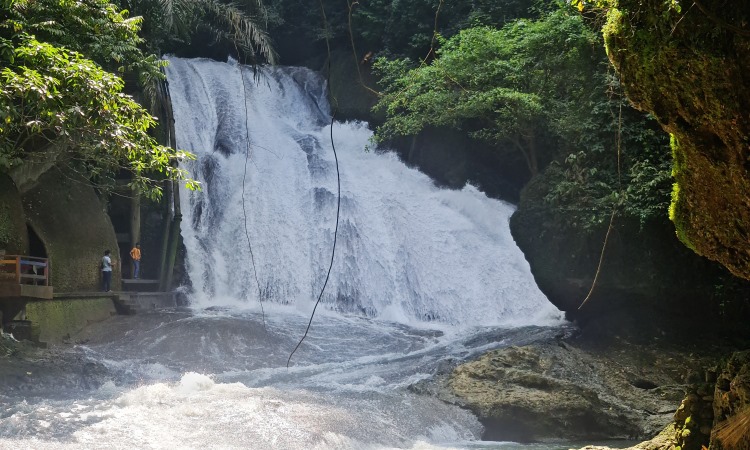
(539, 89)
(58, 104)
(393, 28)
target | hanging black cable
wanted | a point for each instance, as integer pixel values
(244, 212)
(338, 181)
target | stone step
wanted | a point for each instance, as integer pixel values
(140, 285)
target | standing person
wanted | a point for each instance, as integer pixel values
(135, 255)
(106, 272)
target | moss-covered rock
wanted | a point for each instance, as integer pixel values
(14, 238)
(691, 69)
(70, 220)
(571, 388)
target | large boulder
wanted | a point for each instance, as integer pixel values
(715, 412)
(74, 227)
(689, 67)
(571, 389)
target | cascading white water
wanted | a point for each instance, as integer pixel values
(407, 250)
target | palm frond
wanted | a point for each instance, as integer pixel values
(177, 15)
(734, 433)
(246, 30)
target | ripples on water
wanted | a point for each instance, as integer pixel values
(218, 380)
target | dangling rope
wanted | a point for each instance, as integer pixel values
(244, 212)
(619, 190)
(430, 52)
(338, 181)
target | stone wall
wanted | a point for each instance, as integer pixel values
(52, 321)
(69, 218)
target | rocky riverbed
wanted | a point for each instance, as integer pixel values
(571, 388)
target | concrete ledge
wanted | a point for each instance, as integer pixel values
(150, 300)
(80, 295)
(140, 285)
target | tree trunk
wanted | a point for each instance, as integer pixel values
(529, 153)
(531, 150)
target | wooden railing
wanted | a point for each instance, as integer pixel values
(25, 269)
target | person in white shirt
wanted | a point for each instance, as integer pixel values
(106, 272)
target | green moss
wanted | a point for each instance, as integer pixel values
(55, 320)
(677, 213)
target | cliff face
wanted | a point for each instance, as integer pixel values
(690, 68)
(648, 282)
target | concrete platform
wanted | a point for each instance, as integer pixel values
(138, 302)
(140, 285)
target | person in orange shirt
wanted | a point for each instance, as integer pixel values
(135, 255)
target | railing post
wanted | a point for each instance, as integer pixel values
(18, 269)
(46, 272)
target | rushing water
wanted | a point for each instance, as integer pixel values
(423, 278)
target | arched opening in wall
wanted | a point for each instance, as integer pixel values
(36, 245)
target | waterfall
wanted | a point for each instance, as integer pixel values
(407, 250)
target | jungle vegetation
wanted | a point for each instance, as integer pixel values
(541, 91)
(68, 68)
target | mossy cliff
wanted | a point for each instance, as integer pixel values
(690, 67)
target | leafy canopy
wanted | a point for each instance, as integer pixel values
(505, 86)
(58, 106)
(542, 89)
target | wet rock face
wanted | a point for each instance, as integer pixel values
(567, 390)
(518, 399)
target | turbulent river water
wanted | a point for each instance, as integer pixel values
(423, 278)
